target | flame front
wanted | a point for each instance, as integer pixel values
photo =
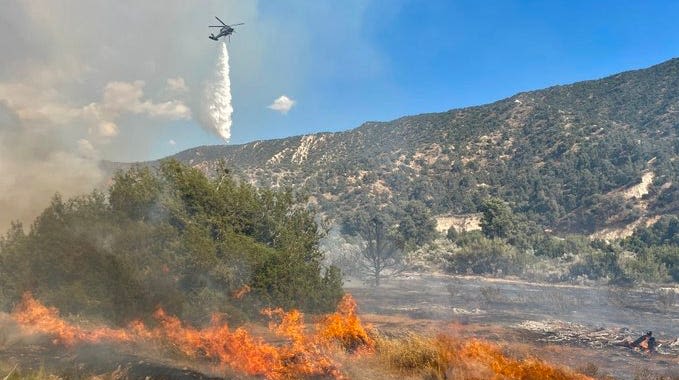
(476, 359)
(301, 354)
(46, 320)
(237, 348)
(344, 327)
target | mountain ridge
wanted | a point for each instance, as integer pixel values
(369, 122)
(554, 154)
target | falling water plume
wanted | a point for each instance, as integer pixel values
(218, 98)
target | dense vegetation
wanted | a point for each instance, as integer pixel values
(657, 246)
(376, 244)
(557, 156)
(559, 160)
(509, 243)
(170, 237)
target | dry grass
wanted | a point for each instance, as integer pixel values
(667, 298)
(444, 357)
(14, 373)
(405, 354)
(410, 353)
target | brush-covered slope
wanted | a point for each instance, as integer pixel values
(569, 156)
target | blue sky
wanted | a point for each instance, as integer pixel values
(409, 57)
(342, 62)
(124, 80)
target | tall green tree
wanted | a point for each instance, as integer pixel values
(170, 237)
(416, 226)
(134, 192)
(497, 220)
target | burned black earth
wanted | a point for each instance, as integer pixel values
(583, 327)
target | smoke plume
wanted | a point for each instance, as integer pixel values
(35, 163)
(218, 98)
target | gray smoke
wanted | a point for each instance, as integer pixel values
(34, 165)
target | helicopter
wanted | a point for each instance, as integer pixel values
(226, 30)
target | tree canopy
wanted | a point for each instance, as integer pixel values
(174, 238)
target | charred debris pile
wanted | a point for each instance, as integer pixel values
(555, 331)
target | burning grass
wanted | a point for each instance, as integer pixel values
(46, 320)
(300, 353)
(344, 327)
(445, 357)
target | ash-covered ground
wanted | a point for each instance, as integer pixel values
(583, 327)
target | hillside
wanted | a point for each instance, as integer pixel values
(569, 157)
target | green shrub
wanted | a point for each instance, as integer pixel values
(596, 264)
(646, 268)
(170, 238)
(479, 255)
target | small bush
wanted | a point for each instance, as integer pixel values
(646, 268)
(450, 358)
(486, 256)
(667, 298)
(596, 264)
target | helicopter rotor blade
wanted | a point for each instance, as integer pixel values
(215, 26)
(242, 23)
(220, 20)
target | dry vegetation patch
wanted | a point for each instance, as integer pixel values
(447, 357)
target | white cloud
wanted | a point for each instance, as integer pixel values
(108, 129)
(176, 85)
(37, 104)
(123, 96)
(172, 110)
(126, 97)
(44, 106)
(282, 104)
(172, 142)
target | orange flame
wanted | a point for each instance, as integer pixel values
(236, 348)
(475, 359)
(301, 355)
(304, 355)
(46, 320)
(344, 327)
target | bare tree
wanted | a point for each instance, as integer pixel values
(381, 254)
